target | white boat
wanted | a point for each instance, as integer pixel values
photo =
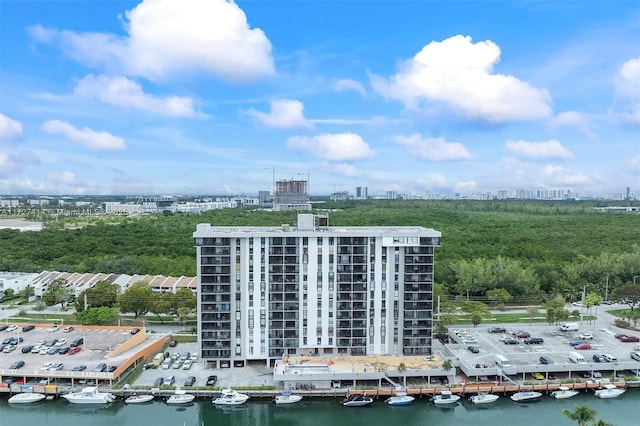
(445, 397)
(138, 399)
(526, 396)
(180, 397)
(564, 392)
(357, 400)
(610, 391)
(230, 397)
(400, 398)
(26, 398)
(483, 398)
(287, 397)
(89, 395)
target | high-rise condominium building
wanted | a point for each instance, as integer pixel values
(268, 292)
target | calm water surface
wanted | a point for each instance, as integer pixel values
(623, 411)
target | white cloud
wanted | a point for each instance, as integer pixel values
(469, 186)
(557, 175)
(15, 161)
(551, 149)
(125, 93)
(458, 73)
(166, 38)
(285, 114)
(340, 169)
(433, 181)
(433, 149)
(90, 138)
(67, 178)
(629, 87)
(574, 119)
(10, 129)
(349, 84)
(333, 147)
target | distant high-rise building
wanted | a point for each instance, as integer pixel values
(628, 196)
(392, 195)
(291, 195)
(264, 197)
(361, 193)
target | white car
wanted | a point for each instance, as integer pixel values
(586, 336)
(187, 364)
(52, 329)
(11, 328)
(635, 355)
(60, 343)
(46, 365)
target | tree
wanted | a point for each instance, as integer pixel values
(583, 415)
(183, 315)
(137, 299)
(161, 305)
(57, 292)
(446, 365)
(499, 296)
(629, 294)
(8, 293)
(97, 316)
(472, 307)
(182, 298)
(533, 312)
(476, 319)
(103, 293)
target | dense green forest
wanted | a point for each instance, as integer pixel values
(528, 248)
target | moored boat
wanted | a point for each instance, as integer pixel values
(445, 397)
(287, 397)
(609, 391)
(180, 397)
(564, 392)
(526, 396)
(26, 398)
(357, 400)
(400, 398)
(89, 395)
(483, 398)
(138, 399)
(230, 397)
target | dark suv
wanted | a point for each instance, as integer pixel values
(545, 360)
(534, 340)
(497, 330)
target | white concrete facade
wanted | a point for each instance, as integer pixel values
(268, 292)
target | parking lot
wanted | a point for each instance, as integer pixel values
(41, 347)
(226, 377)
(555, 348)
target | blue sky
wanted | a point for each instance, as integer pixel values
(216, 97)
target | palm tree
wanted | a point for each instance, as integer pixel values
(582, 415)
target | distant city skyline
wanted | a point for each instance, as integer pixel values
(448, 98)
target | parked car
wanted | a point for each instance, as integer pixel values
(77, 342)
(74, 350)
(190, 381)
(63, 351)
(596, 375)
(80, 367)
(135, 330)
(112, 368)
(159, 381)
(534, 340)
(510, 341)
(586, 336)
(635, 355)
(11, 328)
(52, 351)
(575, 342)
(68, 329)
(212, 380)
(545, 360)
(27, 349)
(169, 380)
(17, 364)
(627, 338)
(610, 358)
(187, 364)
(537, 376)
(3, 327)
(28, 328)
(473, 349)
(497, 330)
(100, 367)
(599, 358)
(522, 334)
(583, 346)
(53, 329)
(61, 342)
(177, 364)
(56, 366)
(173, 343)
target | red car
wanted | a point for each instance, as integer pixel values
(173, 343)
(74, 350)
(522, 334)
(627, 338)
(583, 346)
